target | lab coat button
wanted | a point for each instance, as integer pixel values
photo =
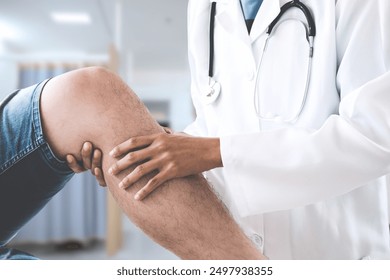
(258, 240)
(250, 75)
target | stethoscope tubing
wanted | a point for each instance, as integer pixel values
(311, 33)
(297, 4)
(256, 99)
(211, 49)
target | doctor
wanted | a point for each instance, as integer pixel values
(299, 120)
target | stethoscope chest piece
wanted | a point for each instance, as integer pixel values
(212, 93)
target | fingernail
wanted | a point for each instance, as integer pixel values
(137, 196)
(121, 185)
(113, 153)
(111, 171)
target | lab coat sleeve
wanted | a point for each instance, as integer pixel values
(293, 167)
(196, 9)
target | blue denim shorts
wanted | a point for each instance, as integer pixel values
(30, 174)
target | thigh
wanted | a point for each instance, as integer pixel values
(29, 172)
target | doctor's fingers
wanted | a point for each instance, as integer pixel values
(153, 184)
(132, 144)
(129, 160)
(97, 167)
(87, 154)
(98, 172)
(168, 130)
(74, 165)
(139, 172)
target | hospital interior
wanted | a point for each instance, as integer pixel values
(145, 43)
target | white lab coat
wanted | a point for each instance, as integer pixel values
(315, 189)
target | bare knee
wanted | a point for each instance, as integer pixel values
(90, 104)
(91, 83)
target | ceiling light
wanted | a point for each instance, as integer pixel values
(71, 18)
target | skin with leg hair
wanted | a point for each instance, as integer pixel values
(184, 215)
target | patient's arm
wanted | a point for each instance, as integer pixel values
(183, 215)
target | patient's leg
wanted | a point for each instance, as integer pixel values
(184, 215)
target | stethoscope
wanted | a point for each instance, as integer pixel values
(214, 87)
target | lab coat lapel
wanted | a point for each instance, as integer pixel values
(268, 11)
(230, 17)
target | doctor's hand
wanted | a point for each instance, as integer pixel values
(169, 155)
(91, 159)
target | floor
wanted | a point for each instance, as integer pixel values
(136, 246)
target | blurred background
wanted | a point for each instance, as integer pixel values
(144, 41)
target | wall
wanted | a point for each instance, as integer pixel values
(9, 65)
(168, 86)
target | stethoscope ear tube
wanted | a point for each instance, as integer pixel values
(298, 4)
(211, 34)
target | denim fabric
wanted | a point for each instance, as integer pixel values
(12, 254)
(30, 174)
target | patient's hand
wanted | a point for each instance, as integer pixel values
(91, 159)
